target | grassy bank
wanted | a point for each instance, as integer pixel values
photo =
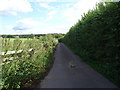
(27, 67)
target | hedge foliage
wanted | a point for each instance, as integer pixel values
(96, 39)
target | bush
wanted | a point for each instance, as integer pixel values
(96, 38)
(23, 70)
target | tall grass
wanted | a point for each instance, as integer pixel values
(21, 72)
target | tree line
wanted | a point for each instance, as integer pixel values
(55, 35)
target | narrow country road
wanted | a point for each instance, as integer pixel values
(69, 71)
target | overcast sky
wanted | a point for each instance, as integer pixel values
(41, 16)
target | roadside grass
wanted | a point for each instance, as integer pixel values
(110, 69)
(28, 67)
(106, 69)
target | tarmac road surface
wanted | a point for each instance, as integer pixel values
(69, 71)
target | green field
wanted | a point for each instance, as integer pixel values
(9, 44)
(12, 39)
(26, 67)
(23, 39)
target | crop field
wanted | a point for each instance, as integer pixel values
(31, 63)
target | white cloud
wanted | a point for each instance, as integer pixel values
(8, 13)
(7, 30)
(74, 13)
(13, 6)
(48, 1)
(45, 5)
(9, 27)
(85, 5)
(53, 23)
(51, 15)
(48, 29)
(63, 6)
(43, 29)
(30, 22)
(43, 0)
(27, 23)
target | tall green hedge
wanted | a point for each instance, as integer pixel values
(96, 39)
